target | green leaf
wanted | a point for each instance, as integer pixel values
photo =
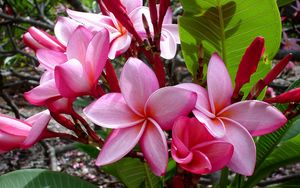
(133, 173)
(282, 3)
(293, 131)
(287, 153)
(229, 27)
(40, 178)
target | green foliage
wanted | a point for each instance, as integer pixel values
(40, 178)
(228, 27)
(133, 173)
(293, 131)
(286, 153)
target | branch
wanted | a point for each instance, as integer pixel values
(18, 19)
(77, 5)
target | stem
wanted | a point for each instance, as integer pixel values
(224, 178)
(111, 77)
(51, 134)
(89, 130)
(64, 121)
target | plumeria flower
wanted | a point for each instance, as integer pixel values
(16, 133)
(196, 150)
(120, 38)
(234, 123)
(76, 72)
(139, 114)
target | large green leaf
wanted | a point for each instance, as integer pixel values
(133, 173)
(40, 178)
(287, 153)
(228, 27)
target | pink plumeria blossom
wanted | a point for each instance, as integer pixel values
(196, 150)
(120, 38)
(139, 114)
(16, 133)
(77, 71)
(235, 123)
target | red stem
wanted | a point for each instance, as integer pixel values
(111, 77)
(51, 134)
(89, 130)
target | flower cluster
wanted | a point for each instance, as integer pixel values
(206, 129)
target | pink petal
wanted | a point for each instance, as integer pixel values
(94, 22)
(68, 84)
(64, 28)
(199, 165)
(154, 147)
(136, 16)
(130, 5)
(119, 45)
(61, 105)
(31, 43)
(218, 84)
(96, 55)
(214, 125)
(168, 103)
(168, 19)
(9, 142)
(190, 132)
(46, 76)
(40, 94)
(179, 155)
(244, 155)
(45, 39)
(137, 83)
(50, 58)
(114, 112)
(11, 126)
(257, 117)
(78, 44)
(202, 103)
(219, 153)
(173, 29)
(39, 124)
(168, 44)
(119, 143)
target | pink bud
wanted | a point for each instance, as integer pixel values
(46, 40)
(287, 97)
(249, 63)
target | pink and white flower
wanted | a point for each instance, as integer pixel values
(139, 114)
(234, 123)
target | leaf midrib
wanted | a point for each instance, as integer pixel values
(222, 31)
